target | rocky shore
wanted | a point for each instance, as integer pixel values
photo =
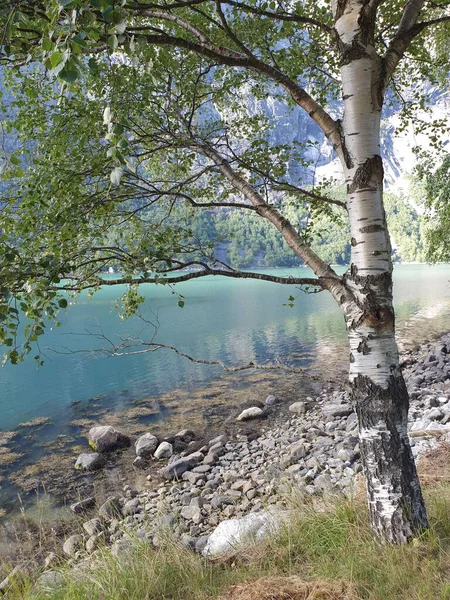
(210, 493)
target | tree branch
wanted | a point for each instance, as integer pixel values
(408, 29)
(229, 57)
(205, 272)
(292, 238)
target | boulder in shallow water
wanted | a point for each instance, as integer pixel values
(90, 462)
(106, 439)
(146, 445)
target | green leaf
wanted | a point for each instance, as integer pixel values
(69, 73)
(181, 303)
(62, 303)
(47, 44)
(55, 59)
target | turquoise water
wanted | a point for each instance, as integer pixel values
(236, 321)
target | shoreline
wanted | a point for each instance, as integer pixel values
(313, 447)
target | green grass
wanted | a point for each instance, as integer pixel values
(335, 544)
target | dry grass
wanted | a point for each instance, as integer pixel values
(434, 468)
(326, 552)
(289, 588)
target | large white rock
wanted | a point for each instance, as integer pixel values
(299, 408)
(146, 445)
(164, 450)
(232, 533)
(106, 439)
(250, 413)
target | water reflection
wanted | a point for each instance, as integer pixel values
(233, 321)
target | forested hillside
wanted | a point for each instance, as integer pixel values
(244, 240)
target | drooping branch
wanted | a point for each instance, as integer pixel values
(226, 56)
(206, 270)
(277, 16)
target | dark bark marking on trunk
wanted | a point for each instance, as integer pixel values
(347, 157)
(371, 228)
(363, 347)
(340, 9)
(371, 169)
(388, 460)
(351, 52)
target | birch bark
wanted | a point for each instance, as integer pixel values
(378, 389)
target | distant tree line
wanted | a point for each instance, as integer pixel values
(245, 241)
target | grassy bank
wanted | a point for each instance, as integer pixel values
(322, 555)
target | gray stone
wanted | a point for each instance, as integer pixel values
(347, 455)
(164, 450)
(221, 500)
(220, 439)
(131, 507)
(82, 505)
(337, 410)
(270, 400)
(106, 439)
(192, 476)
(146, 445)
(90, 462)
(176, 469)
(253, 412)
(93, 526)
(72, 545)
(110, 508)
(50, 580)
(185, 435)
(297, 450)
(191, 513)
(298, 408)
(201, 543)
(323, 483)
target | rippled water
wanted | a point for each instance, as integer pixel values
(231, 320)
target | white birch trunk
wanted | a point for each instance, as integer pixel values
(379, 392)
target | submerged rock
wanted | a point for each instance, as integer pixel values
(106, 439)
(90, 462)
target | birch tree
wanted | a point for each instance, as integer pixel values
(140, 76)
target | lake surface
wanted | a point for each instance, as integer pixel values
(235, 321)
